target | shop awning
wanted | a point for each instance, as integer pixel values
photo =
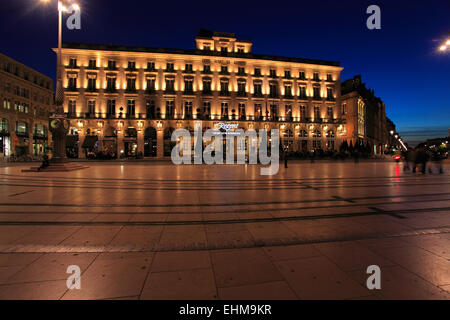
(89, 142)
(71, 141)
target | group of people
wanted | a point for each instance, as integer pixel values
(420, 157)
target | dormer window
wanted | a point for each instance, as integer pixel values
(207, 47)
(240, 50)
(224, 49)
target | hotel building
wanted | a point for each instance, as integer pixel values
(26, 98)
(125, 101)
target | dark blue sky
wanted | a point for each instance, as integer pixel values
(400, 61)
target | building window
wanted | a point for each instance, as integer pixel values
(131, 84)
(274, 112)
(257, 72)
(110, 84)
(240, 50)
(224, 88)
(150, 109)
(131, 105)
(150, 66)
(344, 108)
(317, 134)
(151, 85)
(317, 93)
(316, 76)
(224, 110)
(91, 107)
(302, 113)
(287, 74)
(241, 88)
(170, 67)
(257, 89)
(206, 68)
(273, 90)
(170, 109)
(329, 77)
(170, 85)
(72, 107)
(241, 71)
(258, 111)
(301, 75)
(131, 65)
(241, 111)
(224, 69)
(92, 84)
(206, 86)
(72, 84)
(316, 113)
(287, 90)
(188, 67)
(273, 73)
(303, 134)
(224, 49)
(111, 107)
(330, 113)
(92, 64)
(188, 110)
(288, 112)
(207, 47)
(188, 86)
(112, 65)
(206, 109)
(72, 63)
(330, 95)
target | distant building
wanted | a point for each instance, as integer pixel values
(365, 117)
(26, 98)
(128, 100)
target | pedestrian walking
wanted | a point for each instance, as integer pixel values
(285, 154)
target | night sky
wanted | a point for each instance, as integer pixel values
(400, 62)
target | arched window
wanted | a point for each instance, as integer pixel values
(317, 134)
(330, 134)
(288, 133)
(303, 134)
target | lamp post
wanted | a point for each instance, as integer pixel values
(58, 122)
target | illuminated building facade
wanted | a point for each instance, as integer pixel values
(125, 101)
(26, 98)
(365, 116)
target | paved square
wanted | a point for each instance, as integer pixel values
(152, 230)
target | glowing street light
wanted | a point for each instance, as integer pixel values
(59, 123)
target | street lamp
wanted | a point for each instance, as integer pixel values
(58, 122)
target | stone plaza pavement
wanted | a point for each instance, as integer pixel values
(159, 231)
